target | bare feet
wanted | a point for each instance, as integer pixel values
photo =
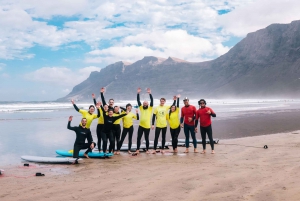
(137, 151)
(175, 150)
(203, 152)
(154, 152)
(85, 155)
(196, 151)
(147, 152)
(212, 151)
(129, 152)
(162, 151)
(115, 152)
(186, 150)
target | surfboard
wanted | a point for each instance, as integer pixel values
(94, 154)
(40, 159)
(216, 141)
(1, 172)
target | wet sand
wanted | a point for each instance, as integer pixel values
(246, 125)
(241, 169)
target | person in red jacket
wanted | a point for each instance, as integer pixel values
(188, 113)
(205, 113)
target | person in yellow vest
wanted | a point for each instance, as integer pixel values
(145, 118)
(160, 115)
(87, 114)
(173, 119)
(128, 127)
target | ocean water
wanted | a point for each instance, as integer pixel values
(40, 128)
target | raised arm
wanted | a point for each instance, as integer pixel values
(102, 96)
(75, 106)
(178, 96)
(69, 124)
(98, 109)
(94, 99)
(138, 97)
(151, 98)
(174, 101)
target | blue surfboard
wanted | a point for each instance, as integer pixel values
(90, 154)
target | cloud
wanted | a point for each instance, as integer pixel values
(60, 76)
(258, 15)
(24, 24)
(176, 43)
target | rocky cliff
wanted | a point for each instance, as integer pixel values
(266, 63)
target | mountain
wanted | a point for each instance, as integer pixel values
(266, 64)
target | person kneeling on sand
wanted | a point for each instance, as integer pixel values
(82, 133)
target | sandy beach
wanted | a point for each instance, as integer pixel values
(241, 169)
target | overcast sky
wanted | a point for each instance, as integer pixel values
(47, 47)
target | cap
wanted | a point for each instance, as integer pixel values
(186, 98)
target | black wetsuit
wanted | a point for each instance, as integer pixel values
(81, 135)
(107, 130)
(116, 127)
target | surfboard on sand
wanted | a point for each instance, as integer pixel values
(40, 159)
(216, 141)
(1, 171)
(94, 154)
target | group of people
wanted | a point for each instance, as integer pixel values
(109, 119)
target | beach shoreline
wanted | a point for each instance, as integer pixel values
(241, 169)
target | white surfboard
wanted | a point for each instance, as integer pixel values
(1, 171)
(40, 159)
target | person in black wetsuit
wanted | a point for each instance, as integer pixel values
(82, 133)
(116, 125)
(107, 131)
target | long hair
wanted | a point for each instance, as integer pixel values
(170, 111)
